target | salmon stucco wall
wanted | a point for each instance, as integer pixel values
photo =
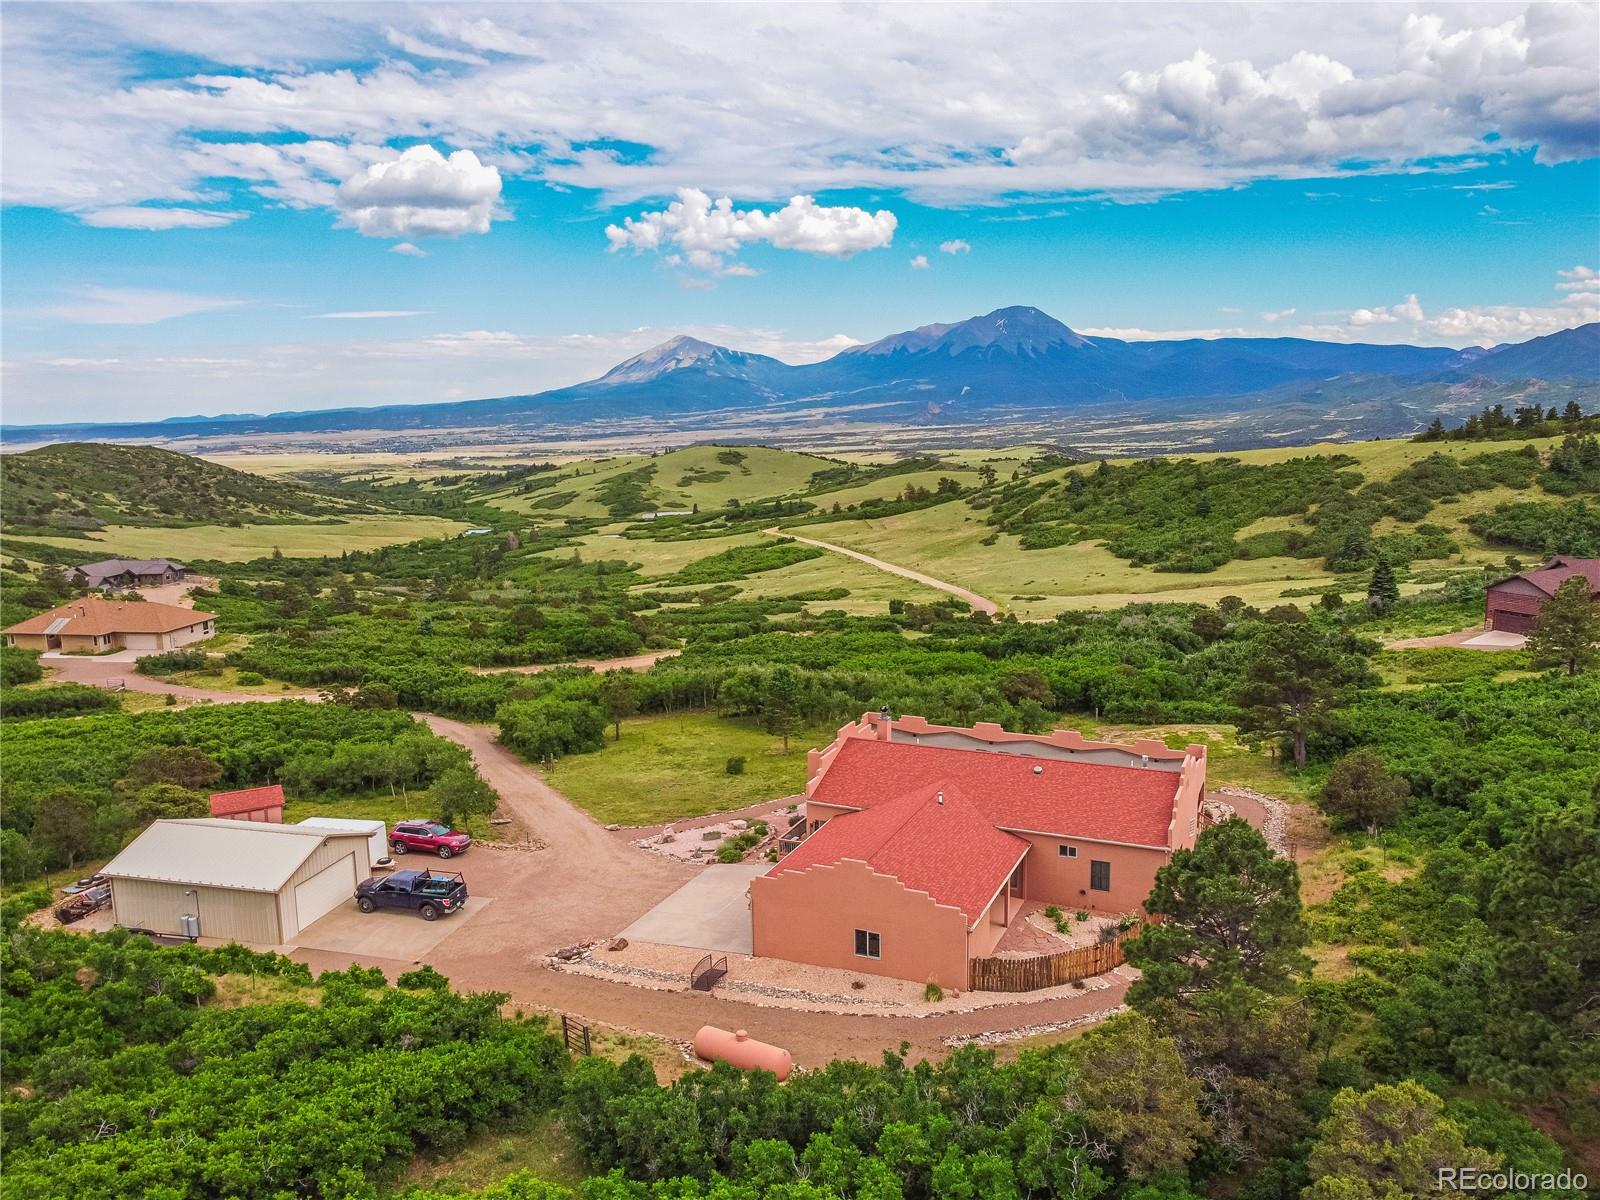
(1050, 878)
(811, 916)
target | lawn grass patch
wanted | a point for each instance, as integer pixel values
(535, 1142)
(672, 767)
(381, 806)
(227, 679)
(1449, 664)
(226, 544)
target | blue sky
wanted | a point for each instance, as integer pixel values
(404, 204)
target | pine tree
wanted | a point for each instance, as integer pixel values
(1383, 591)
(1568, 628)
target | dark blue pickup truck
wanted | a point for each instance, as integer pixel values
(430, 894)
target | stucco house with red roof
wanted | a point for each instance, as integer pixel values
(1512, 605)
(923, 843)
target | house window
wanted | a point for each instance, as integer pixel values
(1067, 851)
(1099, 876)
(868, 944)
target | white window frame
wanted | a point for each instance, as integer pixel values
(1065, 851)
(864, 938)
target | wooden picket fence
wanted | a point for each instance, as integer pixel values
(1047, 970)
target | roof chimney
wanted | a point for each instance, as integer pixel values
(885, 723)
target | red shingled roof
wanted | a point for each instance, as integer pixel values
(1067, 799)
(932, 840)
(229, 804)
(1561, 568)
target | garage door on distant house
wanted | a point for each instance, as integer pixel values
(1510, 622)
(325, 890)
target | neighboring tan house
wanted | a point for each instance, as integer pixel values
(120, 574)
(250, 804)
(923, 842)
(1512, 605)
(94, 625)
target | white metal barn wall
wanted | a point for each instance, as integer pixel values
(338, 847)
(325, 890)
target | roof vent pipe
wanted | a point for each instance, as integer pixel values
(1038, 770)
(940, 796)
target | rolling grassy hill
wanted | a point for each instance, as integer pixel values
(83, 486)
(956, 542)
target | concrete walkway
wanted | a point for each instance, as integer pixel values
(710, 912)
(980, 603)
(1476, 638)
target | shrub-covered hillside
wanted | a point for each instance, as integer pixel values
(87, 485)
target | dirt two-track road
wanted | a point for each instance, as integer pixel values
(979, 603)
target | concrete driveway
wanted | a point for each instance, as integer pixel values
(387, 933)
(710, 912)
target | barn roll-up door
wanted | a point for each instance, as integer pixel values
(325, 890)
(1506, 621)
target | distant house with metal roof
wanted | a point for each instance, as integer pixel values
(245, 881)
(95, 625)
(924, 846)
(1512, 605)
(117, 574)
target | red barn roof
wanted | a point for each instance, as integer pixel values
(931, 839)
(1095, 801)
(1558, 570)
(231, 804)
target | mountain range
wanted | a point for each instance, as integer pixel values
(1012, 366)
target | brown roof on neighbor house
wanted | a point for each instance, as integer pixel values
(93, 615)
(227, 804)
(134, 566)
(1558, 570)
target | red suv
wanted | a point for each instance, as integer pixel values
(427, 837)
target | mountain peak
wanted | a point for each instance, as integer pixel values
(1018, 329)
(674, 354)
(684, 353)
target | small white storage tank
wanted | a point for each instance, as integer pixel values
(377, 832)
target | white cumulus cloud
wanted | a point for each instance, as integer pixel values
(1483, 325)
(920, 263)
(703, 233)
(422, 194)
(955, 246)
(409, 249)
